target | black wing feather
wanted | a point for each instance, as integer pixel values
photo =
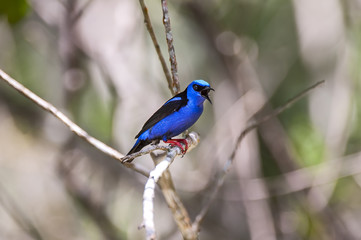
(139, 146)
(165, 110)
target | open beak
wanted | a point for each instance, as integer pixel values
(205, 92)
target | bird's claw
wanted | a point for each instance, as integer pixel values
(178, 143)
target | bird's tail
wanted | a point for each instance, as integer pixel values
(139, 144)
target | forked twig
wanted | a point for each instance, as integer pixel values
(148, 196)
(162, 176)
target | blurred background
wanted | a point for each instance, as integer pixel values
(296, 177)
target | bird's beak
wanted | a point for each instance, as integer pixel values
(205, 92)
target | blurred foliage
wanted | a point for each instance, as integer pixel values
(96, 115)
(14, 10)
(308, 143)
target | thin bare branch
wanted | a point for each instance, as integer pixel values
(72, 126)
(253, 123)
(149, 26)
(171, 50)
(144, 151)
(191, 137)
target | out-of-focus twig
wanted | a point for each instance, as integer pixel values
(15, 212)
(72, 126)
(149, 26)
(79, 13)
(253, 123)
(351, 166)
(171, 50)
(82, 195)
(179, 212)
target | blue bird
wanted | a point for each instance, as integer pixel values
(175, 116)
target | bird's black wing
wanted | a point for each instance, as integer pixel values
(168, 108)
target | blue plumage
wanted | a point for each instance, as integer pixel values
(175, 116)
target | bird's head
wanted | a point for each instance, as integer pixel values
(199, 90)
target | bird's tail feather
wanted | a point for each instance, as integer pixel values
(139, 144)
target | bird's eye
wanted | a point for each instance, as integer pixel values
(196, 87)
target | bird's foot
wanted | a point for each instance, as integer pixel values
(177, 142)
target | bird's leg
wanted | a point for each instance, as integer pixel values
(177, 142)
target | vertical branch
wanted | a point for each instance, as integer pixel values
(179, 212)
(149, 27)
(171, 50)
(161, 175)
(148, 196)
